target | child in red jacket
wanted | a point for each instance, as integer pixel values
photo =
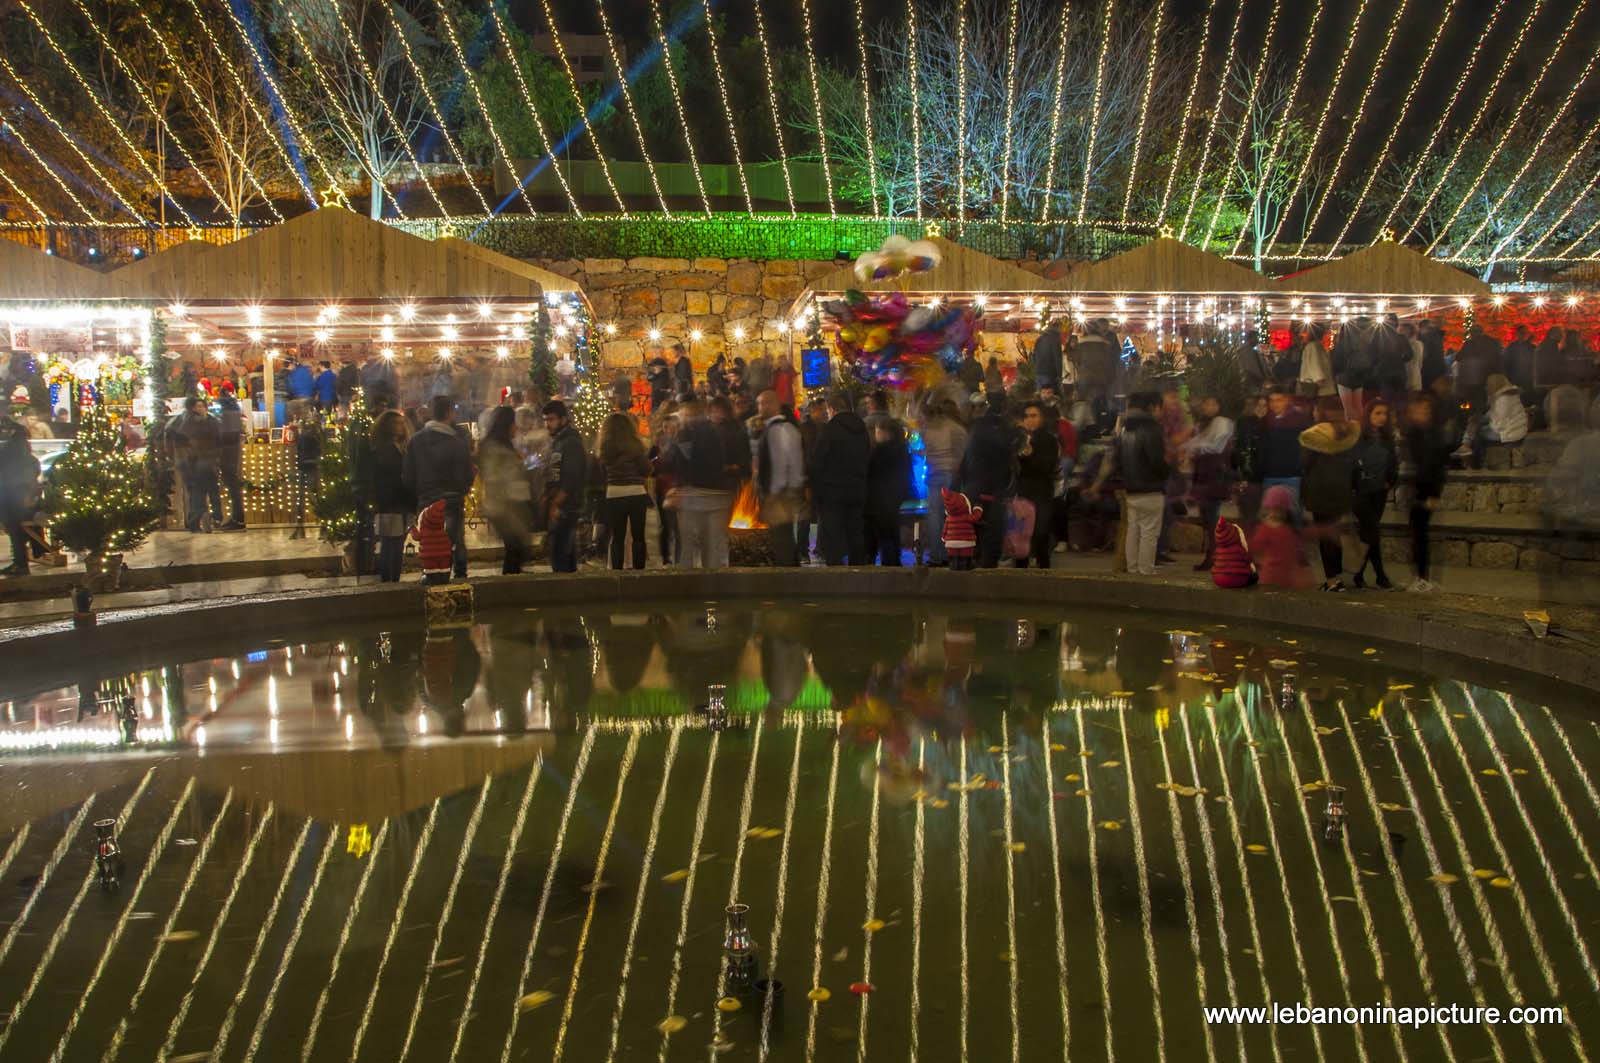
(961, 519)
(433, 544)
(1275, 544)
(1231, 566)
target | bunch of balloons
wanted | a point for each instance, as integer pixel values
(897, 256)
(889, 343)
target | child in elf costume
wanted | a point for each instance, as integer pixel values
(433, 544)
(960, 528)
(1231, 566)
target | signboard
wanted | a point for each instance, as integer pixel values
(816, 369)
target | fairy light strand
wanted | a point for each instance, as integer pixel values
(264, 72)
(772, 103)
(627, 103)
(1505, 137)
(483, 105)
(1188, 110)
(727, 106)
(538, 123)
(94, 98)
(1216, 118)
(1581, 197)
(1590, 231)
(1094, 110)
(161, 120)
(961, 111)
(1399, 123)
(1256, 80)
(1055, 110)
(1464, 138)
(71, 142)
(1144, 107)
(22, 193)
(816, 101)
(1322, 122)
(677, 103)
(22, 141)
(433, 105)
(577, 94)
(1282, 127)
(916, 111)
(1012, 17)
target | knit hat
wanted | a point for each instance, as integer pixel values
(1278, 497)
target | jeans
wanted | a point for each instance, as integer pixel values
(1144, 528)
(200, 485)
(703, 520)
(564, 541)
(669, 535)
(391, 554)
(1209, 509)
(234, 484)
(841, 533)
(933, 523)
(625, 516)
(455, 525)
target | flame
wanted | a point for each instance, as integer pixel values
(746, 509)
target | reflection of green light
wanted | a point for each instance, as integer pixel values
(747, 698)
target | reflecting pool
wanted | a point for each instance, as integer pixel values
(1004, 834)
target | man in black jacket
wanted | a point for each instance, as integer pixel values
(196, 439)
(682, 374)
(988, 477)
(438, 465)
(839, 484)
(567, 482)
(1142, 461)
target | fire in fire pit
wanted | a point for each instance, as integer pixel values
(748, 545)
(746, 509)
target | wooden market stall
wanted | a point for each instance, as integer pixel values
(1403, 281)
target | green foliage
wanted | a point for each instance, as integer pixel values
(1216, 372)
(96, 496)
(335, 504)
(541, 359)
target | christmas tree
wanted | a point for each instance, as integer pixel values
(592, 404)
(541, 359)
(96, 496)
(335, 504)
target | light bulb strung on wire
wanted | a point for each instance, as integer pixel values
(916, 113)
(16, 135)
(1094, 110)
(1256, 79)
(727, 106)
(1188, 109)
(1013, 15)
(1144, 106)
(628, 105)
(772, 103)
(1055, 109)
(961, 112)
(677, 103)
(538, 123)
(1215, 122)
(572, 84)
(816, 102)
(21, 193)
(483, 106)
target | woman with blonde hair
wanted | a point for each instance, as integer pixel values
(391, 498)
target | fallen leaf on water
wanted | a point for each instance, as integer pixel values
(595, 886)
(1279, 662)
(439, 965)
(1110, 824)
(1459, 715)
(1500, 882)
(1073, 777)
(1390, 806)
(1255, 847)
(939, 802)
(1400, 686)
(842, 955)
(1324, 729)
(819, 994)
(1166, 660)
(181, 935)
(1347, 900)
(769, 833)
(1083, 792)
(1018, 847)
(1368, 652)
(873, 925)
(1057, 747)
(920, 795)
(1369, 874)
(1003, 957)
(536, 999)
(1111, 763)
(1313, 786)
(1519, 771)
(1489, 771)
(1180, 788)
(190, 1057)
(1483, 873)
(676, 876)
(1443, 878)
(861, 988)
(729, 1004)
(185, 842)
(996, 749)
(1122, 693)
(672, 1024)
(1084, 753)
(1291, 642)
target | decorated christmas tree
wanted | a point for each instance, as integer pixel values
(335, 504)
(593, 403)
(541, 359)
(96, 496)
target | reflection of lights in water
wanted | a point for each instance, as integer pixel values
(338, 705)
(344, 666)
(1093, 829)
(272, 695)
(918, 848)
(782, 896)
(738, 853)
(497, 723)
(1011, 880)
(288, 667)
(349, 727)
(272, 731)
(1045, 740)
(211, 704)
(211, 683)
(144, 685)
(1143, 867)
(394, 924)
(200, 736)
(422, 723)
(149, 709)
(335, 676)
(68, 841)
(872, 899)
(344, 939)
(688, 886)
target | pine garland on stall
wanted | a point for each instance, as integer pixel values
(541, 359)
(593, 404)
(335, 504)
(158, 459)
(96, 496)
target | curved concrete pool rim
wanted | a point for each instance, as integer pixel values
(1423, 629)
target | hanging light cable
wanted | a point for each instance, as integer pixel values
(727, 107)
(1590, 231)
(961, 110)
(1399, 123)
(1012, 16)
(1144, 107)
(1256, 80)
(577, 95)
(1561, 176)
(1465, 138)
(15, 133)
(1188, 109)
(483, 105)
(1322, 120)
(916, 110)
(94, 98)
(161, 120)
(71, 141)
(772, 102)
(1055, 110)
(816, 101)
(433, 105)
(1578, 200)
(1094, 110)
(1505, 137)
(627, 101)
(1216, 117)
(677, 103)
(22, 193)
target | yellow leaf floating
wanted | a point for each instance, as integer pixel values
(1181, 789)
(1346, 900)
(1084, 753)
(1084, 792)
(769, 833)
(676, 876)
(872, 926)
(1484, 873)
(1325, 730)
(1073, 777)
(536, 999)
(995, 749)
(1313, 786)
(1443, 878)
(1368, 652)
(1376, 712)
(819, 994)
(181, 935)
(1111, 824)
(1400, 686)
(1500, 882)
(1390, 806)
(1057, 747)
(1122, 693)
(1111, 763)
(1519, 771)
(1017, 847)
(1489, 771)
(729, 1004)
(939, 802)
(672, 1024)
(1255, 847)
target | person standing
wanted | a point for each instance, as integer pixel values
(888, 486)
(1519, 360)
(1355, 365)
(1316, 369)
(783, 376)
(1377, 471)
(1280, 444)
(1047, 356)
(1393, 360)
(438, 468)
(994, 380)
(391, 498)
(507, 501)
(1039, 461)
(302, 383)
(944, 441)
(669, 535)
(816, 415)
(327, 388)
(1478, 360)
(717, 376)
(1207, 452)
(197, 439)
(682, 374)
(970, 373)
(1433, 363)
(1142, 463)
(780, 475)
(566, 484)
(839, 484)
(1249, 437)
(622, 456)
(659, 374)
(1428, 445)
(698, 460)
(230, 457)
(19, 492)
(988, 477)
(1328, 485)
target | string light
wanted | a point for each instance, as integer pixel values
(1581, 197)
(1216, 120)
(627, 101)
(1012, 15)
(445, 353)
(916, 111)
(772, 102)
(1144, 104)
(816, 100)
(433, 104)
(866, 105)
(483, 106)
(1094, 110)
(16, 134)
(1590, 231)
(572, 83)
(1399, 123)
(408, 311)
(738, 333)
(1188, 108)
(655, 335)
(1055, 110)
(72, 143)
(611, 328)
(1322, 119)
(1255, 88)
(22, 194)
(961, 110)
(356, 142)
(538, 124)
(1463, 139)
(1529, 155)
(264, 71)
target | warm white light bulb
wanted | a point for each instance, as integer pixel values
(611, 328)
(1538, 300)
(253, 314)
(194, 337)
(502, 352)
(333, 312)
(561, 330)
(451, 332)
(178, 310)
(695, 335)
(783, 327)
(738, 333)
(387, 333)
(407, 311)
(255, 335)
(1572, 300)
(485, 310)
(387, 352)
(655, 335)
(444, 352)
(323, 335)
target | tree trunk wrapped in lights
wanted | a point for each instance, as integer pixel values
(96, 496)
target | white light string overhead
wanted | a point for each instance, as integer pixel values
(22, 194)
(677, 103)
(1216, 119)
(916, 112)
(572, 84)
(1055, 110)
(1011, 97)
(17, 135)
(816, 101)
(961, 112)
(1094, 110)
(772, 102)
(1144, 105)
(727, 106)
(483, 105)
(1254, 91)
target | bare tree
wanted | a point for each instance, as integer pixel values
(232, 138)
(1271, 148)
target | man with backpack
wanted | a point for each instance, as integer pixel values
(1355, 366)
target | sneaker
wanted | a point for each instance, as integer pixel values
(1422, 586)
(232, 525)
(1358, 582)
(1336, 587)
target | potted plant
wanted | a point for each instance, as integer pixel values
(98, 501)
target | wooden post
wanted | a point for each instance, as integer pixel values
(270, 402)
